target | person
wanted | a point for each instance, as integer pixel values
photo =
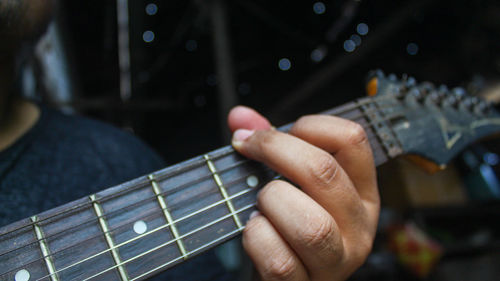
(322, 230)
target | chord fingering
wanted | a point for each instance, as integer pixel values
(109, 239)
(223, 190)
(170, 221)
(45, 250)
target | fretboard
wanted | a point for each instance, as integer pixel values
(139, 228)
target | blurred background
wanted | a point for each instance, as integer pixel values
(168, 71)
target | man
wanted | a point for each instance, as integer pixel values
(322, 231)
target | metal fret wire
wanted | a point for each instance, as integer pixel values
(371, 124)
(159, 177)
(241, 193)
(233, 166)
(355, 105)
(174, 240)
(166, 243)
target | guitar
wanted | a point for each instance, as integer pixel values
(139, 228)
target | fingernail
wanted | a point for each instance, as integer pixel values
(239, 136)
(254, 214)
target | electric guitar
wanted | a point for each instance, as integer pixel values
(139, 228)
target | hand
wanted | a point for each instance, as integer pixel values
(325, 229)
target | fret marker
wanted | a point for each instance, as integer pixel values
(252, 181)
(22, 275)
(140, 227)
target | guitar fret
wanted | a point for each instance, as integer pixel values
(168, 216)
(109, 239)
(45, 249)
(222, 190)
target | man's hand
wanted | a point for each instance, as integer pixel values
(325, 229)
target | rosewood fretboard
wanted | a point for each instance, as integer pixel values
(141, 227)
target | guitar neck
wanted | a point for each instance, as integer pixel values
(144, 226)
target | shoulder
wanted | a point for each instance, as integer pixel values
(101, 142)
(78, 144)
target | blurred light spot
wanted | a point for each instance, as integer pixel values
(200, 101)
(284, 64)
(148, 36)
(191, 45)
(412, 49)
(318, 54)
(362, 29)
(349, 46)
(356, 39)
(212, 80)
(244, 89)
(151, 9)
(491, 158)
(319, 8)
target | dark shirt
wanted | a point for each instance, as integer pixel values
(63, 158)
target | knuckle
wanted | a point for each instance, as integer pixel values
(281, 268)
(362, 249)
(324, 169)
(267, 140)
(301, 124)
(269, 189)
(319, 235)
(357, 134)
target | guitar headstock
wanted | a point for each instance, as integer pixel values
(434, 123)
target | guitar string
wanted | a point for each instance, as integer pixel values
(230, 215)
(222, 238)
(341, 110)
(220, 202)
(141, 201)
(136, 238)
(166, 193)
(231, 167)
(335, 111)
(168, 243)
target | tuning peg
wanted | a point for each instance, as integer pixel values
(467, 103)
(379, 73)
(442, 92)
(451, 100)
(459, 93)
(417, 94)
(482, 107)
(411, 82)
(426, 87)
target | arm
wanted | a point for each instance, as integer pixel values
(325, 229)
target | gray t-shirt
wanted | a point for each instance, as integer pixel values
(63, 158)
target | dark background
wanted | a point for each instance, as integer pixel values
(174, 84)
(177, 79)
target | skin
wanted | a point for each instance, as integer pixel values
(322, 231)
(22, 22)
(325, 229)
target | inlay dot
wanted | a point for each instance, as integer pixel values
(252, 181)
(140, 227)
(22, 275)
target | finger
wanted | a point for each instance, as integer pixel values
(313, 169)
(246, 118)
(309, 229)
(349, 143)
(271, 255)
